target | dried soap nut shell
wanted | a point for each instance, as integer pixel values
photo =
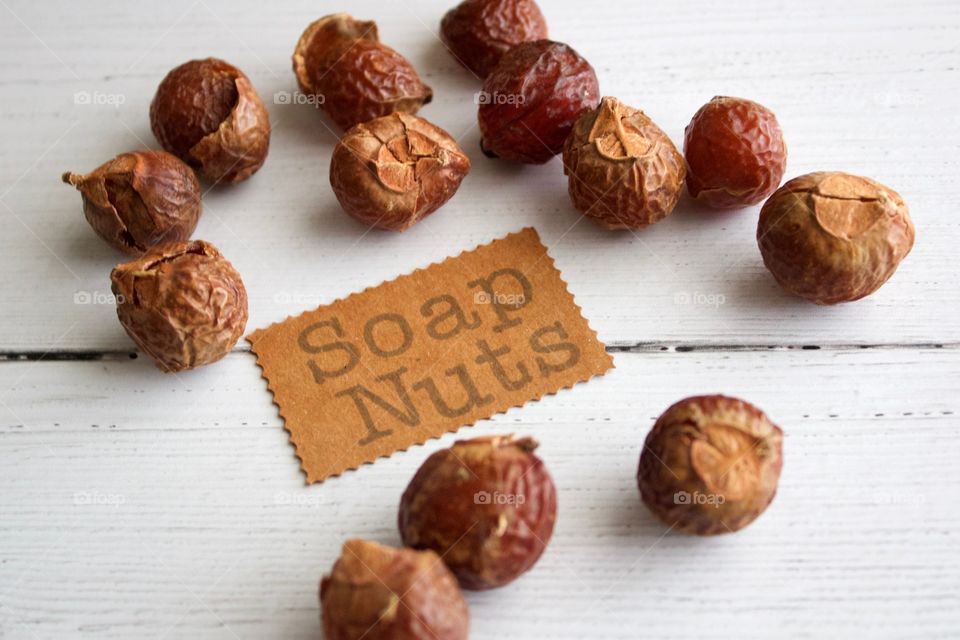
(710, 465)
(380, 593)
(531, 100)
(139, 200)
(208, 114)
(833, 237)
(624, 171)
(358, 78)
(479, 32)
(735, 153)
(182, 303)
(311, 57)
(487, 506)
(395, 170)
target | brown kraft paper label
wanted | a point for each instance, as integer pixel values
(427, 353)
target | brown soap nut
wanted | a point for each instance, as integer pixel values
(735, 153)
(531, 100)
(354, 76)
(833, 237)
(624, 171)
(182, 303)
(710, 465)
(393, 171)
(479, 32)
(486, 505)
(207, 113)
(376, 592)
(139, 200)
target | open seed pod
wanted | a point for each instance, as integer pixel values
(625, 173)
(207, 113)
(395, 170)
(353, 76)
(182, 303)
(139, 200)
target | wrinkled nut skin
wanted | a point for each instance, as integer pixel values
(487, 506)
(833, 237)
(393, 171)
(139, 200)
(710, 465)
(208, 114)
(531, 100)
(735, 153)
(624, 171)
(311, 57)
(342, 61)
(380, 593)
(479, 32)
(182, 303)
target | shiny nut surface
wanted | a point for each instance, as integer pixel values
(355, 77)
(182, 303)
(479, 32)
(208, 114)
(735, 153)
(139, 200)
(531, 100)
(833, 237)
(376, 592)
(486, 505)
(395, 170)
(710, 465)
(624, 171)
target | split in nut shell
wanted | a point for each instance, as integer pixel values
(207, 113)
(354, 76)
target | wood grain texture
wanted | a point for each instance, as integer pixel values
(139, 504)
(134, 504)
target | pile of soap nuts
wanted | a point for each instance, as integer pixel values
(709, 465)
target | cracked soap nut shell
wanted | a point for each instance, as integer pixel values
(356, 77)
(735, 153)
(833, 237)
(376, 592)
(139, 200)
(531, 100)
(625, 173)
(487, 506)
(479, 32)
(710, 465)
(393, 171)
(208, 114)
(182, 303)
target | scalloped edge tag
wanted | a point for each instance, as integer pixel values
(425, 354)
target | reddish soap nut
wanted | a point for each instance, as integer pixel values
(393, 171)
(376, 592)
(487, 506)
(139, 200)
(182, 303)
(352, 75)
(531, 100)
(625, 172)
(832, 237)
(479, 32)
(710, 465)
(207, 113)
(735, 153)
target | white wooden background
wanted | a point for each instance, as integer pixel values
(138, 505)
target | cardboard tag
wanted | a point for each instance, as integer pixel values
(425, 354)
